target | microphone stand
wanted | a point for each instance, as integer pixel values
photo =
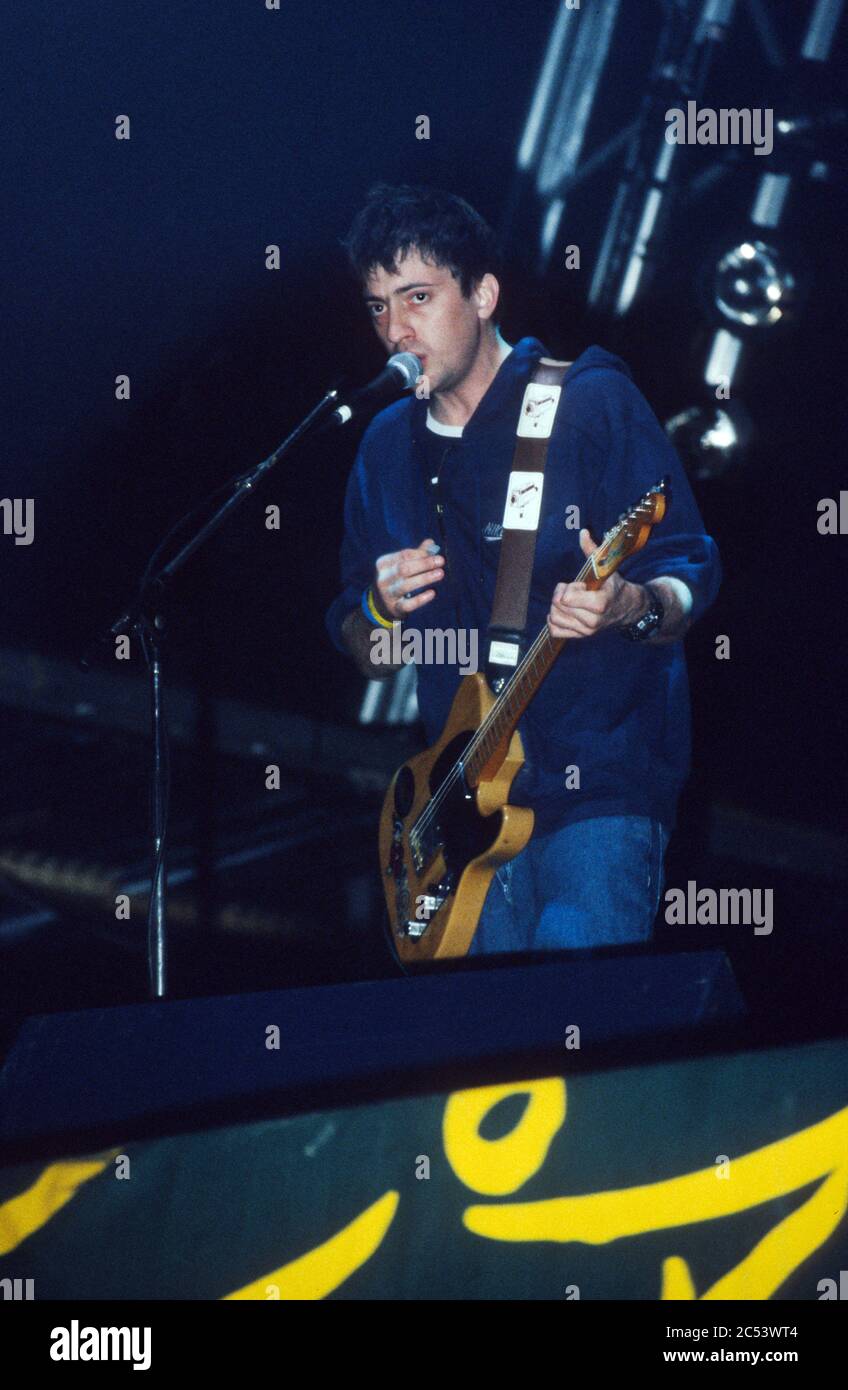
(146, 620)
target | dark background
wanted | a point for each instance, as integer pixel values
(147, 257)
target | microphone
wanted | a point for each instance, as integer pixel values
(401, 373)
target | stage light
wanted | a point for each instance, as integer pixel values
(748, 282)
(723, 360)
(709, 438)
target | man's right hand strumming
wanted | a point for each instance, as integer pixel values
(397, 578)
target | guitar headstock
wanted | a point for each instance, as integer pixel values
(632, 530)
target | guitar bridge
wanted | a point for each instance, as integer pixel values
(425, 846)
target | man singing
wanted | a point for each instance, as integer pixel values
(607, 737)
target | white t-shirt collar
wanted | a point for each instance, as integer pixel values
(453, 431)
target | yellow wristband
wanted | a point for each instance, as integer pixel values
(372, 608)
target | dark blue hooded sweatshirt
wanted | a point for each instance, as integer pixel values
(616, 710)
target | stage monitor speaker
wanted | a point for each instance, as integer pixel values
(160, 1067)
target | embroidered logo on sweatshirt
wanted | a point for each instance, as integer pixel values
(492, 531)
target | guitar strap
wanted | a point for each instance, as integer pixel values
(522, 511)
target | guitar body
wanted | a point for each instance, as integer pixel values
(437, 859)
(446, 823)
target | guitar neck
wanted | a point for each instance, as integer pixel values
(490, 744)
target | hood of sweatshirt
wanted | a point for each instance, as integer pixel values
(511, 379)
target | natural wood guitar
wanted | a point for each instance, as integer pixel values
(446, 823)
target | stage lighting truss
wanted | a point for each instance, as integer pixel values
(753, 284)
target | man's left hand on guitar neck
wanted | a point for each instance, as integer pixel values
(577, 611)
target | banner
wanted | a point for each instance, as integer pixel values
(713, 1178)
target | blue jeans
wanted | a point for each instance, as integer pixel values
(595, 882)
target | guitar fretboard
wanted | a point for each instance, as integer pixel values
(502, 720)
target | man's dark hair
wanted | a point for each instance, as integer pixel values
(443, 229)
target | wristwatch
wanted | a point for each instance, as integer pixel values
(650, 621)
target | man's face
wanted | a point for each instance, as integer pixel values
(421, 309)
